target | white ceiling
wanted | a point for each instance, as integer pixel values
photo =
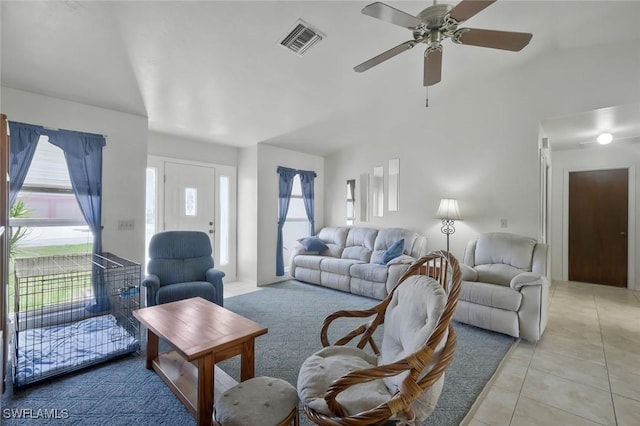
(214, 70)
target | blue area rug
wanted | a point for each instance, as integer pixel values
(123, 392)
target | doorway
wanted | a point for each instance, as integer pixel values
(598, 226)
(194, 196)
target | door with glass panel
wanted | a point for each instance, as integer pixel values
(199, 197)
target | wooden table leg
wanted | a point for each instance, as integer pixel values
(247, 366)
(152, 348)
(206, 370)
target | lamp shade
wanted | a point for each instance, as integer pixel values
(448, 209)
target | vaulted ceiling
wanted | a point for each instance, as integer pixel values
(215, 71)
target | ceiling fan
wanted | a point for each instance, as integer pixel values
(433, 25)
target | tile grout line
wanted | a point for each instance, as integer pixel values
(606, 364)
(487, 388)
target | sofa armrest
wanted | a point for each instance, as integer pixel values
(528, 279)
(214, 276)
(152, 283)
(468, 273)
(402, 259)
(297, 250)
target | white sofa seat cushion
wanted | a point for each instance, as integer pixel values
(338, 266)
(370, 272)
(308, 261)
(320, 369)
(491, 295)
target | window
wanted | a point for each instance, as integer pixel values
(51, 215)
(351, 215)
(297, 224)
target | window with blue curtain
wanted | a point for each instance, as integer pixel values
(303, 206)
(83, 157)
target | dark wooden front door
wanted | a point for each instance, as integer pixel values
(598, 222)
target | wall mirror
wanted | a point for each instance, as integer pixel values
(377, 192)
(351, 199)
(394, 184)
(364, 197)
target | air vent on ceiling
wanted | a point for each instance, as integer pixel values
(301, 38)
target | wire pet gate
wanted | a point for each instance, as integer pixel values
(54, 332)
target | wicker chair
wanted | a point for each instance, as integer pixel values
(345, 385)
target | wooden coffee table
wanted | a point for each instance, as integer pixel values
(202, 334)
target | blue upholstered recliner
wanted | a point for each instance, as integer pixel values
(181, 266)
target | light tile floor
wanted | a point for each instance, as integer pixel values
(584, 371)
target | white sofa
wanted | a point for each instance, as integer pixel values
(504, 285)
(351, 261)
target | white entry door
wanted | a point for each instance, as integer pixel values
(189, 199)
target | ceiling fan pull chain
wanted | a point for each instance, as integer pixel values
(426, 96)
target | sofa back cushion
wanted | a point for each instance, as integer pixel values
(359, 244)
(335, 238)
(500, 256)
(387, 237)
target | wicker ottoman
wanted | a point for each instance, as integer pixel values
(263, 401)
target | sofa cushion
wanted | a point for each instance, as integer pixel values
(491, 295)
(335, 239)
(338, 266)
(370, 272)
(308, 261)
(385, 239)
(359, 244)
(508, 249)
(313, 244)
(497, 273)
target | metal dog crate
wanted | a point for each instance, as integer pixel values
(55, 333)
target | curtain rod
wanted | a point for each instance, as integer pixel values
(56, 129)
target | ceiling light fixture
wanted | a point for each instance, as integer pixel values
(604, 138)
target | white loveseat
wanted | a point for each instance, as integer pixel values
(352, 259)
(504, 285)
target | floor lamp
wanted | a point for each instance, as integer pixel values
(449, 213)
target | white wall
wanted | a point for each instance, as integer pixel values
(172, 146)
(597, 158)
(269, 158)
(481, 144)
(248, 214)
(124, 159)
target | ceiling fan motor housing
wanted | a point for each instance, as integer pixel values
(433, 17)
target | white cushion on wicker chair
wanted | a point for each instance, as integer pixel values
(411, 317)
(328, 364)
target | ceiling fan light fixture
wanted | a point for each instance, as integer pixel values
(604, 138)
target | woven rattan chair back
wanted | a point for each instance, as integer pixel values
(442, 266)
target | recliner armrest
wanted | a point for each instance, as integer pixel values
(152, 284)
(528, 279)
(214, 276)
(468, 273)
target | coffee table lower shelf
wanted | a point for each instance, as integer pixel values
(181, 376)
